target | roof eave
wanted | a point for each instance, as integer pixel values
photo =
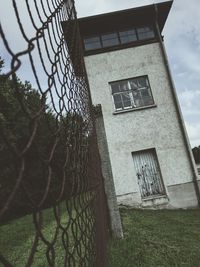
(91, 23)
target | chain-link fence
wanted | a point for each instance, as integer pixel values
(52, 202)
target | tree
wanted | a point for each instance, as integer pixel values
(19, 105)
(196, 153)
(1, 64)
(22, 110)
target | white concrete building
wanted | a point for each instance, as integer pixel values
(150, 157)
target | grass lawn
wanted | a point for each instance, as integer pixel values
(158, 238)
(17, 237)
(152, 238)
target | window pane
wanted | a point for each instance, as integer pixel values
(128, 36)
(118, 105)
(147, 101)
(118, 101)
(117, 97)
(147, 97)
(145, 33)
(145, 92)
(126, 100)
(133, 84)
(124, 86)
(142, 82)
(115, 87)
(92, 43)
(110, 39)
(136, 98)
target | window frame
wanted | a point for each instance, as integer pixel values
(120, 43)
(109, 33)
(90, 37)
(145, 26)
(126, 30)
(130, 91)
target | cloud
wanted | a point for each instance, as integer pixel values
(182, 34)
(91, 7)
(189, 101)
(193, 133)
(182, 39)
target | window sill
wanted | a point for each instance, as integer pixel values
(133, 109)
(152, 197)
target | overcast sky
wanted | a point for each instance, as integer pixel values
(182, 41)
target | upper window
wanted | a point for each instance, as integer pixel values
(110, 39)
(119, 38)
(131, 93)
(128, 36)
(145, 33)
(92, 43)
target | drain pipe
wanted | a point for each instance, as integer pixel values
(178, 110)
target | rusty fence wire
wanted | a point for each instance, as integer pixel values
(52, 202)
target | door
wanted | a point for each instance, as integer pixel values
(148, 173)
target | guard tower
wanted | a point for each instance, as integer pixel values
(147, 146)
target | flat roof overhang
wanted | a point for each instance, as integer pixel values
(110, 22)
(124, 18)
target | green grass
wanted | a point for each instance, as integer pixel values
(157, 238)
(152, 238)
(17, 237)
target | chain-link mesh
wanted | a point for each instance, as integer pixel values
(49, 162)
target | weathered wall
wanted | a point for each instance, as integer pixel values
(155, 127)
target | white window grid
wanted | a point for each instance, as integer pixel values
(134, 92)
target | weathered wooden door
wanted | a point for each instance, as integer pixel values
(148, 173)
